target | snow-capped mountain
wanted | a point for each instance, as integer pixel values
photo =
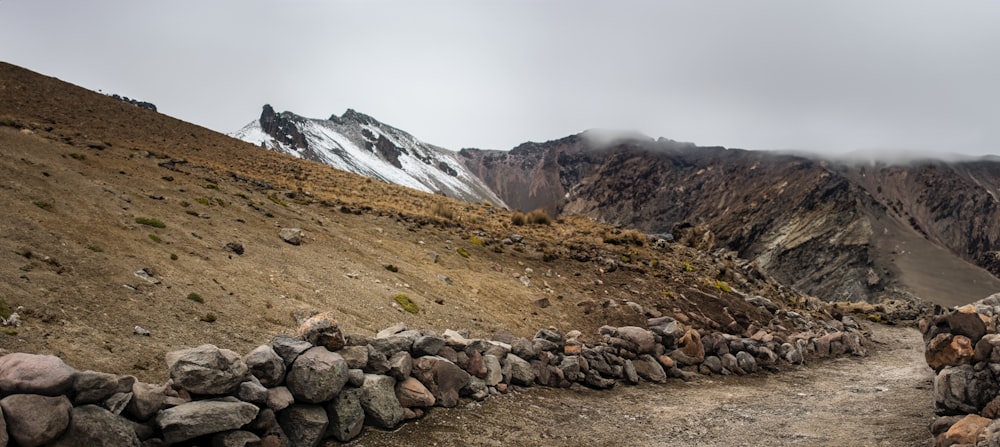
(358, 143)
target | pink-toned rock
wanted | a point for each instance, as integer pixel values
(641, 338)
(34, 374)
(948, 350)
(279, 398)
(966, 431)
(34, 420)
(322, 329)
(411, 393)
(691, 345)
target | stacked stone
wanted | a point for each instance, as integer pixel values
(963, 348)
(322, 384)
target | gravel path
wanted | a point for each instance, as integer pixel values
(884, 399)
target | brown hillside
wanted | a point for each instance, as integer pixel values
(79, 171)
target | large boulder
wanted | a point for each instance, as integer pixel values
(322, 329)
(378, 398)
(443, 378)
(963, 390)
(317, 375)
(194, 419)
(34, 374)
(206, 369)
(347, 417)
(33, 420)
(91, 425)
(305, 425)
(266, 365)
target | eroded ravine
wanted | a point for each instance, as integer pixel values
(884, 399)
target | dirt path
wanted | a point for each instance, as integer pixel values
(882, 400)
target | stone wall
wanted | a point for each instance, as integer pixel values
(319, 384)
(963, 348)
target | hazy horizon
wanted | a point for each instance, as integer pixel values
(831, 78)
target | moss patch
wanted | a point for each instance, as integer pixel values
(407, 304)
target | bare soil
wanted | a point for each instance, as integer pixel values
(884, 399)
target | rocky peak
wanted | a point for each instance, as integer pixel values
(282, 127)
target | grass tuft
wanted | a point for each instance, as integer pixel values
(407, 304)
(43, 205)
(463, 252)
(196, 298)
(150, 221)
(155, 238)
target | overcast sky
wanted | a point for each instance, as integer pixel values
(834, 76)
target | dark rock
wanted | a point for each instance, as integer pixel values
(347, 417)
(355, 356)
(400, 365)
(317, 375)
(34, 374)
(518, 371)
(235, 247)
(649, 369)
(266, 365)
(427, 345)
(444, 379)
(91, 425)
(146, 400)
(305, 425)
(33, 419)
(289, 348)
(252, 392)
(640, 340)
(292, 236)
(91, 387)
(631, 376)
(235, 438)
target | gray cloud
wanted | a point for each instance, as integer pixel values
(829, 77)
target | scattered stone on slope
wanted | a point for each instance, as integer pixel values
(292, 236)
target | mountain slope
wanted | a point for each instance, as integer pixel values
(359, 143)
(836, 230)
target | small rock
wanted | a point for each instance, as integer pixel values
(139, 330)
(291, 235)
(237, 247)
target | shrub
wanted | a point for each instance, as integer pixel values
(43, 205)
(463, 252)
(406, 303)
(392, 268)
(95, 248)
(196, 298)
(173, 257)
(274, 198)
(77, 156)
(686, 266)
(149, 221)
(518, 218)
(155, 238)
(722, 286)
(477, 241)
(211, 186)
(539, 217)
(203, 201)
(9, 331)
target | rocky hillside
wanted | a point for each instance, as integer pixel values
(117, 217)
(839, 230)
(358, 143)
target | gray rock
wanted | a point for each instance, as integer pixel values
(520, 371)
(91, 425)
(730, 364)
(494, 373)
(146, 400)
(443, 378)
(392, 344)
(235, 438)
(266, 365)
(3, 430)
(523, 348)
(550, 335)
(117, 402)
(194, 419)
(252, 392)
(378, 363)
(289, 348)
(641, 339)
(355, 356)
(630, 374)
(713, 364)
(355, 377)
(454, 339)
(91, 387)
(291, 235)
(206, 369)
(279, 398)
(317, 375)
(427, 345)
(540, 345)
(649, 369)
(378, 398)
(400, 365)
(347, 418)
(391, 330)
(34, 374)
(962, 389)
(571, 368)
(746, 362)
(411, 393)
(33, 420)
(476, 389)
(305, 425)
